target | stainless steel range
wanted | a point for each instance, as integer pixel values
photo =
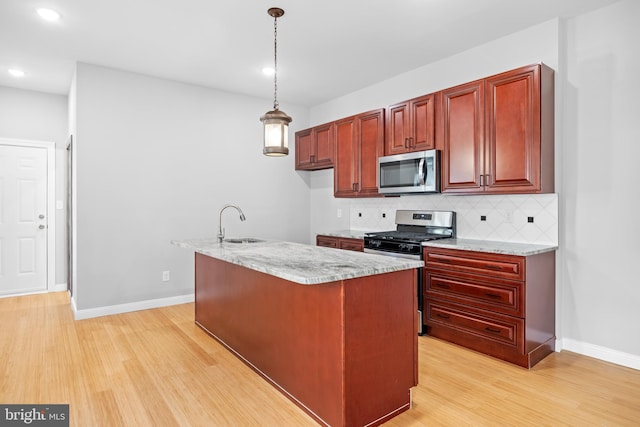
(412, 229)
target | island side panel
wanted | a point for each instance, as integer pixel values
(381, 345)
(290, 333)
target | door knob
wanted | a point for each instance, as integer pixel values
(41, 226)
(41, 216)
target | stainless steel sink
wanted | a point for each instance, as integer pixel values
(243, 240)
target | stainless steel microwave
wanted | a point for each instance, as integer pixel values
(409, 173)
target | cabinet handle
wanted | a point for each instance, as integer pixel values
(406, 143)
(493, 267)
(442, 285)
(493, 296)
(444, 316)
(490, 329)
(313, 159)
(411, 142)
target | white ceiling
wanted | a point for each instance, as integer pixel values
(326, 48)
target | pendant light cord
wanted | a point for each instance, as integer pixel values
(275, 63)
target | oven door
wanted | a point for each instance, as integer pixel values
(419, 272)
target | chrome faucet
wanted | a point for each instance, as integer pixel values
(220, 229)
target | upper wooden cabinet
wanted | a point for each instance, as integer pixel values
(411, 126)
(359, 141)
(314, 148)
(498, 134)
(463, 134)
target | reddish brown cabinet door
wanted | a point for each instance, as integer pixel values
(314, 148)
(397, 140)
(463, 138)
(346, 158)
(327, 241)
(411, 126)
(514, 139)
(498, 134)
(359, 141)
(345, 243)
(370, 130)
(304, 150)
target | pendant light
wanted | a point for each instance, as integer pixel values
(276, 122)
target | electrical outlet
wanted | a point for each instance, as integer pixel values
(166, 276)
(384, 215)
(508, 217)
(483, 217)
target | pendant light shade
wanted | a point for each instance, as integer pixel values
(275, 122)
(276, 133)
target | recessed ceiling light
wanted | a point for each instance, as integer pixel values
(48, 14)
(268, 71)
(16, 73)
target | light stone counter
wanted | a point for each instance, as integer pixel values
(521, 249)
(348, 234)
(304, 264)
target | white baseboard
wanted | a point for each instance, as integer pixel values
(132, 306)
(602, 353)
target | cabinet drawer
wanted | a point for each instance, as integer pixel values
(327, 242)
(345, 243)
(351, 245)
(503, 296)
(493, 265)
(499, 329)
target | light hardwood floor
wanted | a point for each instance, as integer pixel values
(156, 368)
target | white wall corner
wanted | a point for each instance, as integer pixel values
(60, 287)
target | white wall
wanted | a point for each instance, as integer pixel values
(536, 44)
(601, 146)
(156, 160)
(597, 134)
(41, 116)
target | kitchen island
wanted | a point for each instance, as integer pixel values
(334, 331)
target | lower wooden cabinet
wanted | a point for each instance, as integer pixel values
(348, 244)
(500, 305)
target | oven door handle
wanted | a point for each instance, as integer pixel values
(422, 166)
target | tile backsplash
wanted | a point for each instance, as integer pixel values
(506, 218)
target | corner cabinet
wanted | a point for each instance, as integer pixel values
(500, 305)
(411, 126)
(314, 148)
(359, 141)
(498, 134)
(349, 244)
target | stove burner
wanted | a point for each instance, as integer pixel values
(413, 228)
(406, 236)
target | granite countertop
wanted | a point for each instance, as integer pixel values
(507, 248)
(304, 264)
(349, 234)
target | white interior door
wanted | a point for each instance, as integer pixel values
(23, 219)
